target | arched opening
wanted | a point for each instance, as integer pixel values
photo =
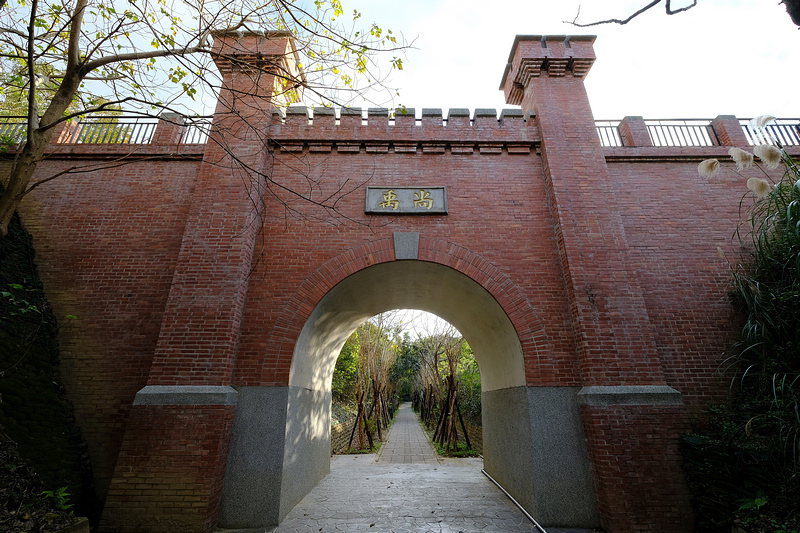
(431, 287)
(532, 436)
(437, 289)
(406, 356)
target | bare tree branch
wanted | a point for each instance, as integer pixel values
(668, 9)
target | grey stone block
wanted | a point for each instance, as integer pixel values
(251, 494)
(406, 245)
(186, 395)
(630, 395)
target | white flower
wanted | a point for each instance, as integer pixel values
(770, 155)
(759, 186)
(760, 122)
(743, 159)
(708, 168)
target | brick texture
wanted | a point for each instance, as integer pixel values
(169, 473)
(637, 467)
(183, 268)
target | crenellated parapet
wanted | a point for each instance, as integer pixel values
(377, 130)
(533, 56)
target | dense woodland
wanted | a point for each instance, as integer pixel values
(379, 366)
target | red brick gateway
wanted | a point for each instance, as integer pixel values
(211, 306)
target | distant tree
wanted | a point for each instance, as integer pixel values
(62, 59)
(362, 375)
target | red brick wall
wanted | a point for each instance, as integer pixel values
(604, 259)
(637, 474)
(170, 470)
(106, 245)
(304, 246)
(674, 221)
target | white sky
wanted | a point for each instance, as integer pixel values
(722, 57)
(732, 57)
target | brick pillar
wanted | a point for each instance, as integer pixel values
(168, 129)
(729, 131)
(65, 132)
(170, 470)
(633, 132)
(625, 395)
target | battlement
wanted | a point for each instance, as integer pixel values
(401, 117)
(379, 128)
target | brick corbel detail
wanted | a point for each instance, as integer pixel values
(558, 56)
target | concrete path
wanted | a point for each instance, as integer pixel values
(406, 488)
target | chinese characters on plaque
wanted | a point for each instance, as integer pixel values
(406, 201)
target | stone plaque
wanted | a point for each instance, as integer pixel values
(406, 201)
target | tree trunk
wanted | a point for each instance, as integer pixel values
(16, 187)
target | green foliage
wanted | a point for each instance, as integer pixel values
(405, 370)
(18, 300)
(756, 503)
(461, 451)
(767, 288)
(34, 411)
(345, 373)
(469, 386)
(747, 464)
(60, 498)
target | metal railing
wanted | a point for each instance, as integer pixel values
(608, 131)
(113, 130)
(673, 133)
(783, 132)
(12, 130)
(682, 133)
(196, 131)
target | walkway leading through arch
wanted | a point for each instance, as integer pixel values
(407, 443)
(407, 488)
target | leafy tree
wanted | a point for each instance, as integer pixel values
(469, 385)
(362, 375)
(63, 59)
(405, 370)
(345, 374)
(446, 382)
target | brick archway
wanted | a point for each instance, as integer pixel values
(280, 446)
(524, 316)
(189, 321)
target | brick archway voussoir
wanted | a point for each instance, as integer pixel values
(289, 324)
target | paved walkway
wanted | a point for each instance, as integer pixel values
(406, 488)
(407, 443)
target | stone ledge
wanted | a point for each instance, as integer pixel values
(186, 395)
(630, 395)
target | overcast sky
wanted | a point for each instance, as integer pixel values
(721, 57)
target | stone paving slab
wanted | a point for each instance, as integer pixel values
(423, 493)
(362, 495)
